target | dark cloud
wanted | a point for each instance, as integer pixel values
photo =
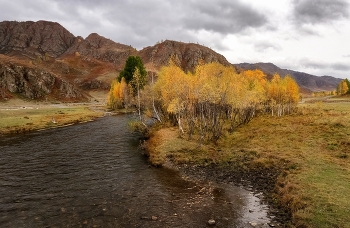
(319, 11)
(140, 23)
(224, 16)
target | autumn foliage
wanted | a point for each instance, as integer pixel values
(215, 98)
(209, 101)
(343, 87)
(119, 95)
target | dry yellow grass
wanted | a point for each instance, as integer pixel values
(18, 119)
(165, 144)
(314, 145)
(317, 142)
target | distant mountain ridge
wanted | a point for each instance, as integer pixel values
(307, 81)
(92, 63)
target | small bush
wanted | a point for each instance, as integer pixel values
(138, 126)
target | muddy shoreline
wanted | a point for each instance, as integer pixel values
(261, 182)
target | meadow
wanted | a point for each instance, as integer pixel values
(30, 117)
(310, 148)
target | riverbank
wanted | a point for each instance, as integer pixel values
(21, 116)
(219, 164)
(300, 162)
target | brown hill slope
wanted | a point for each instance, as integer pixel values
(50, 47)
(187, 55)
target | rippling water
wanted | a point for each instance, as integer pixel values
(92, 175)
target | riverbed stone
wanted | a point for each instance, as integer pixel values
(211, 222)
(253, 224)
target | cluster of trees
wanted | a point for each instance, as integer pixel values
(208, 101)
(215, 97)
(128, 84)
(343, 87)
(323, 93)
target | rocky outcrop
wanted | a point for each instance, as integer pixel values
(33, 83)
(186, 55)
(92, 84)
(34, 38)
(101, 48)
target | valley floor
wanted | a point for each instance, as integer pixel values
(300, 161)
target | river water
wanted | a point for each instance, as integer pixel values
(93, 175)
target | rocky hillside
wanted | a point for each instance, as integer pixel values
(34, 38)
(33, 83)
(101, 48)
(306, 81)
(187, 55)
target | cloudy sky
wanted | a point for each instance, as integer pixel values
(312, 36)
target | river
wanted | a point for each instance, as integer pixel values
(93, 175)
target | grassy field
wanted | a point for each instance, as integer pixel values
(16, 119)
(312, 146)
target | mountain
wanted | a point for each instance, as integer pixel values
(306, 81)
(84, 64)
(34, 38)
(101, 48)
(186, 55)
(42, 59)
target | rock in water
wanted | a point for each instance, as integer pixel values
(211, 222)
(253, 224)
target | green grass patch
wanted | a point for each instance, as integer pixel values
(327, 185)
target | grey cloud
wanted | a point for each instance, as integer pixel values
(220, 46)
(335, 66)
(25, 10)
(130, 22)
(141, 23)
(307, 30)
(224, 16)
(340, 66)
(319, 11)
(313, 64)
(262, 46)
